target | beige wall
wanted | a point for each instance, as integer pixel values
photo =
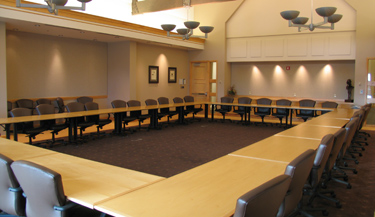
(320, 80)
(216, 14)
(46, 66)
(164, 57)
(365, 40)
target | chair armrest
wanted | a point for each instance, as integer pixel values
(65, 207)
(19, 189)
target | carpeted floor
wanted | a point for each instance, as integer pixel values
(176, 149)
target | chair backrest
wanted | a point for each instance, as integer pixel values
(44, 109)
(92, 106)
(25, 103)
(151, 102)
(283, 102)
(307, 103)
(264, 101)
(299, 169)
(178, 100)
(350, 128)
(134, 103)
(329, 104)
(264, 200)
(43, 188)
(10, 105)
(59, 104)
(226, 99)
(12, 201)
(243, 100)
(43, 101)
(337, 145)
(85, 99)
(118, 103)
(189, 99)
(75, 107)
(18, 112)
(322, 154)
(163, 101)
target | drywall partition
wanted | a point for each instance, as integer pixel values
(49, 66)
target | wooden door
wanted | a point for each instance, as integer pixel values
(203, 80)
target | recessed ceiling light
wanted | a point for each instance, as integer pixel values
(82, 32)
(61, 35)
(37, 25)
(15, 29)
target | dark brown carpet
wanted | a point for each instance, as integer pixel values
(176, 149)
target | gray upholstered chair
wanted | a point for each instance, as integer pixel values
(124, 115)
(299, 169)
(85, 99)
(99, 122)
(59, 105)
(306, 113)
(138, 113)
(44, 192)
(191, 108)
(264, 200)
(43, 101)
(12, 203)
(242, 110)
(169, 113)
(328, 104)
(154, 113)
(27, 128)
(184, 111)
(81, 122)
(263, 111)
(10, 107)
(280, 113)
(321, 158)
(26, 103)
(52, 125)
(223, 109)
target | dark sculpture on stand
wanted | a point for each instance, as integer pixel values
(349, 88)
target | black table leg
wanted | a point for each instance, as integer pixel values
(212, 112)
(7, 131)
(206, 111)
(15, 133)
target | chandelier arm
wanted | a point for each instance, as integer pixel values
(83, 7)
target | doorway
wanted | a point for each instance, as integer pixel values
(203, 80)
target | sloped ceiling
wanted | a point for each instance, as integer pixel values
(144, 6)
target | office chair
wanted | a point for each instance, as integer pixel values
(81, 122)
(27, 127)
(167, 111)
(321, 158)
(138, 113)
(26, 103)
(154, 113)
(96, 118)
(191, 108)
(184, 111)
(304, 113)
(263, 111)
(339, 138)
(223, 109)
(44, 192)
(12, 203)
(124, 115)
(10, 107)
(264, 200)
(328, 104)
(241, 110)
(280, 113)
(43, 101)
(85, 99)
(59, 105)
(53, 125)
(299, 169)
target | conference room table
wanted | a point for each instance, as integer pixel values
(211, 189)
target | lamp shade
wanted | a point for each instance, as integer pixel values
(334, 18)
(168, 27)
(183, 31)
(326, 11)
(84, 1)
(206, 29)
(300, 20)
(191, 24)
(59, 2)
(289, 15)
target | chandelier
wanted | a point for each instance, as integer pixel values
(186, 33)
(54, 5)
(328, 13)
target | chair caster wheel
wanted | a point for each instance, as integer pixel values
(333, 195)
(325, 213)
(346, 179)
(360, 154)
(349, 186)
(355, 171)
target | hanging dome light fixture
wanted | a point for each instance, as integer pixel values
(54, 5)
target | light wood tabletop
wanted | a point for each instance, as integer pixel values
(18, 151)
(278, 148)
(89, 182)
(211, 189)
(327, 121)
(308, 131)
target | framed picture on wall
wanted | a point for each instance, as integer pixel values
(153, 74)
(172, 75)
